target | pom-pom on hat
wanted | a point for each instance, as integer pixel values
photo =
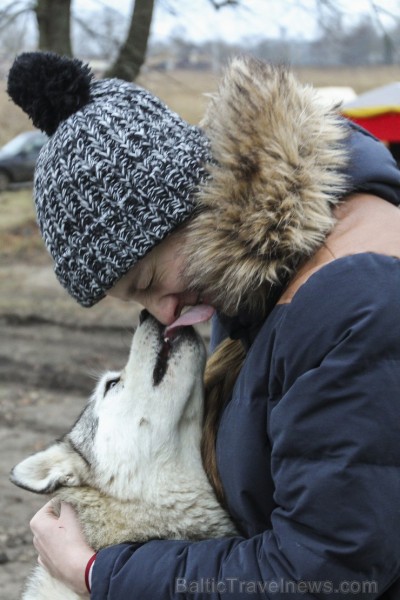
(117, 175)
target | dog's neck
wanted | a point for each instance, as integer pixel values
(173, 500)
(153, 463)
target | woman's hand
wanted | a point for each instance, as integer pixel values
(62, 549)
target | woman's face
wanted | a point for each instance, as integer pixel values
(157, 283)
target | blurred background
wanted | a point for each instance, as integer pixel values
(50, 348)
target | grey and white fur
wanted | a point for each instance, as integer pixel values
(131, 465)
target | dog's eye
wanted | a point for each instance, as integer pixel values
(110, 384)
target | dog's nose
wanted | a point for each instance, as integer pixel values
(143, 316)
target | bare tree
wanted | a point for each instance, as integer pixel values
(133, 52)
(54, 26)
(387, 38)
(217, 4)
(102, 37)
(54, 18)
(14, 18)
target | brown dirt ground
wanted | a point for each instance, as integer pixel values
(50, 352)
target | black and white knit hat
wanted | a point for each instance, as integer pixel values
(118, 173)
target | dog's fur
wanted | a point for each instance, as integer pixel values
(131, 465)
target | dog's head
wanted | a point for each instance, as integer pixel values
(138, 421)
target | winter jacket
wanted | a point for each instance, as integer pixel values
(308, 446)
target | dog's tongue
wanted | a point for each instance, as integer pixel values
(196, 314)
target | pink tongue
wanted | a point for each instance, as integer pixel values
(196, 314)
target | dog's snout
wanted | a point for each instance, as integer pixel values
(144, 314)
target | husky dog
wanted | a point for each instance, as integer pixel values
(131, 465)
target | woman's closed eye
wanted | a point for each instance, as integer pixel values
(149, 284)
(140, 288)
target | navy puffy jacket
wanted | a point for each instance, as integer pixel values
(310, 464)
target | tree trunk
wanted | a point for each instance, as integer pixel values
(53, 18)
(388, 50)
(133, 52)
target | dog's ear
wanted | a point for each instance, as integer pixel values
(47, 470)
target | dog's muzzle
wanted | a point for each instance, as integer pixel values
(167, 344)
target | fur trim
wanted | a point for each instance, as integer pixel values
(268, 203)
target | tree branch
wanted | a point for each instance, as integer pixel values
(9, 15)
(221, 3)
(95, 33)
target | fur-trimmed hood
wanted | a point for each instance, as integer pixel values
(278, 172)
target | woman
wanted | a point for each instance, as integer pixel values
(284, 220)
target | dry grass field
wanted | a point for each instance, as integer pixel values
(361, 79)
(184, 91)
(19, 236)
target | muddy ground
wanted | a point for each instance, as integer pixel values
(50, 353)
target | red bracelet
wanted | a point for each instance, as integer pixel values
(87, 571)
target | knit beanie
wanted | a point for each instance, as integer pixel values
(118, 173)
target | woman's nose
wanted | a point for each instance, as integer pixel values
(165, 309)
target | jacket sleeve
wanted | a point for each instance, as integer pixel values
(335, 462)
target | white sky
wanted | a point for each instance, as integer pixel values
(197, 20)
